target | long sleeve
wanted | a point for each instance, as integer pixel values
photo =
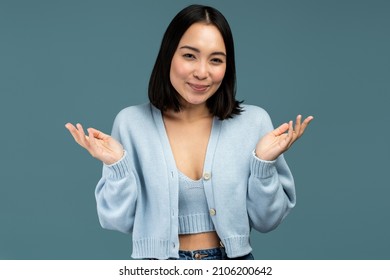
(116, 196)
(117, 190)
(138, 194)
(271, 189)
(271, 193)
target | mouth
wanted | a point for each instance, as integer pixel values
(198, 87)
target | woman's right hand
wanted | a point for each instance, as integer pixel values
(101, 146)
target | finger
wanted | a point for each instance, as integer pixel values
(305, 124)
(308, 119)
(69, 126)
(297, 127)
(280, 130)
(96, 133)
(92, 142)
(84, 141)
(290, 133)
(74, 131)
(71, 129)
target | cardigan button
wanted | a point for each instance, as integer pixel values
(207, 176)
(212, 212)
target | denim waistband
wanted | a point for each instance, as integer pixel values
(210, 254)
(203, 254)
(207, 254)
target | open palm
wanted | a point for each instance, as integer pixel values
(98, 144)
(280, 140)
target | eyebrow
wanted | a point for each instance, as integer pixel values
(198, 51)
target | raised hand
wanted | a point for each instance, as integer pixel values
(280, 140)
(98, 144)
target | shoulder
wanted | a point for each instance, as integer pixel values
(253, 111)
(134, 121)
(133, 117)
(252, 118)
(134, 113)
(252, 114)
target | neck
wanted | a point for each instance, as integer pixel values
(189, 113)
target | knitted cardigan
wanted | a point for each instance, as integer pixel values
(139, 193)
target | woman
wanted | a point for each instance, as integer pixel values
(192, 172)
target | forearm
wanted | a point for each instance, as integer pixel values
(116, 195)
(271, 193)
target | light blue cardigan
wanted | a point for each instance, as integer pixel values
(139, 193)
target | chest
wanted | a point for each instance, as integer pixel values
(189, 143)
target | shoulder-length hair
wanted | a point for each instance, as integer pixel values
(162, 94)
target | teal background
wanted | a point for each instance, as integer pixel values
(83, 61)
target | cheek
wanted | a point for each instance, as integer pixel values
(219, 75)
(179, 70)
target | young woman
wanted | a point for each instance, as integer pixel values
(192, 172)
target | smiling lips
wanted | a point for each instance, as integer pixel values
(198, 88)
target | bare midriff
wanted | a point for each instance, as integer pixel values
(198, 241)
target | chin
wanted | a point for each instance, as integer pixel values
(196, 102)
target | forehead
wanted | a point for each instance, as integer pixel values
(203, 36)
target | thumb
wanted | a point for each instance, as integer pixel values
(280, 130)
(96, 133)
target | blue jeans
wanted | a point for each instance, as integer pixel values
(210, 254)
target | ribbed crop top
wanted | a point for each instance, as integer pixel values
(194, 215)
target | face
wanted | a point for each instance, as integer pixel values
(199, 64)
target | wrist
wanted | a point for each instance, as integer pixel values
(115, 159)
(262, 156)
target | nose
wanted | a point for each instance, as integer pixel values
(201, 71)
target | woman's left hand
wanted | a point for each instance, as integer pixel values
(280, 140)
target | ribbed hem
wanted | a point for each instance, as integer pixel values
(262, 168)
(151, 248)
(237, 246)
(195, 223)
(117, 170)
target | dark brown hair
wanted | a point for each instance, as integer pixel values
(161, 92)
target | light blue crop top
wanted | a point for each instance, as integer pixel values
(194, 215)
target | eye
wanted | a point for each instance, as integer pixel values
(189, 56)
(217, 61)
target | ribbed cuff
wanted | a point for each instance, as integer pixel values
(262, 168)
(117, 170)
